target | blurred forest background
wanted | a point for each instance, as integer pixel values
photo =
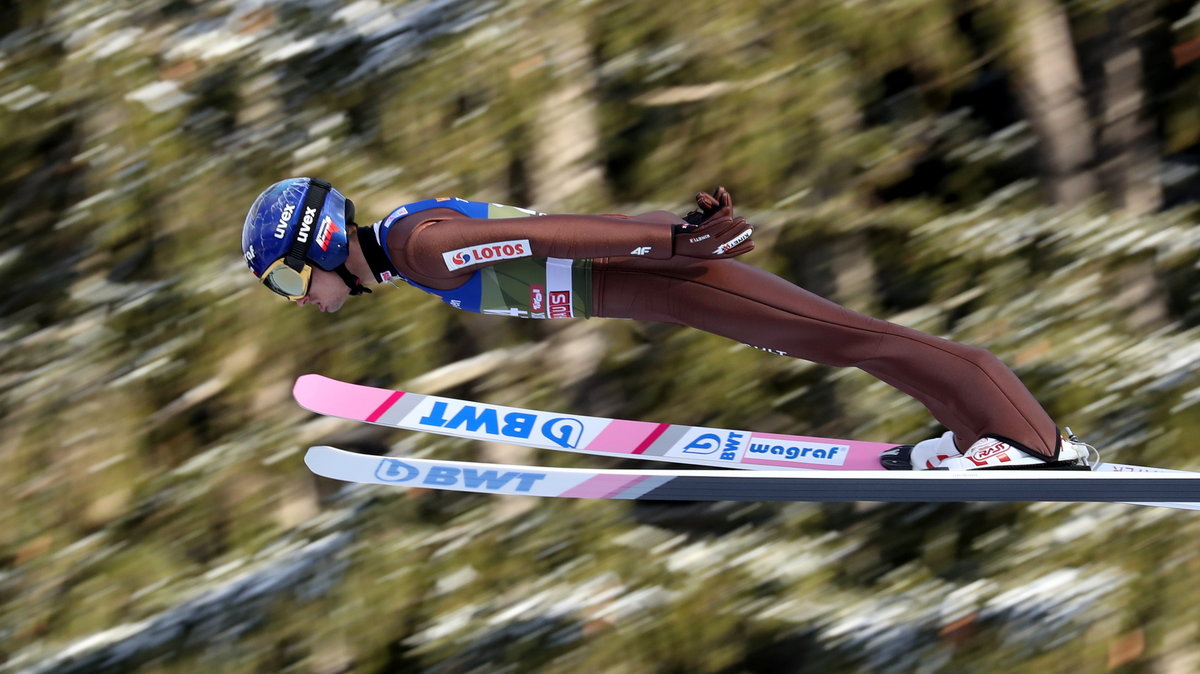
(1017, 174)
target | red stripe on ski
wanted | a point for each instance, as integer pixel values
(387, 404)
(654, 435)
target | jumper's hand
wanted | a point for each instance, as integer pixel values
(720, 203)
(718, 236)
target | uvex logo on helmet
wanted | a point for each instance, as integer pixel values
(310, 214)
(284, 219)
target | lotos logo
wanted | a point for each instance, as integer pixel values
(325, 234)
(284, 219)
(799, 452)
(396, 471)
(500, 250)
(711, 442)
(560, 304)
(537, 298)
(486, 421)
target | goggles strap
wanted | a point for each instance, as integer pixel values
(356, 287)
(377, 260)
(314, 203)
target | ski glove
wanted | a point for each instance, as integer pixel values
(715, 237)
(712, 231)
(720, 202)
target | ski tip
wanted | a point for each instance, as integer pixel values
(317, 458)
(323, 395)
(306, 386)
(306, 380)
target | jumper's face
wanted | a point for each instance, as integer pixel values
(326, 291)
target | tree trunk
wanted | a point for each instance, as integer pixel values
(565, 169)
(1050, 90)
(1129, 168)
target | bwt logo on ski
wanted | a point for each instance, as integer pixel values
(562, 431)
(399, 472)
(710, 443)
(500, 250)
(798, 452)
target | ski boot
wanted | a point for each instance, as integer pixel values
(987, 453)
(925, 455)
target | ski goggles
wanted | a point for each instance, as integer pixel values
(281, 279)
(291, 274)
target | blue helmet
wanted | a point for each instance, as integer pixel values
(280, 217)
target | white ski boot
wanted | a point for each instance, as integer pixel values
(993, 453)
(987, 453)
(925, 455)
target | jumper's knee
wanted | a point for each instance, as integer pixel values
(989, 367)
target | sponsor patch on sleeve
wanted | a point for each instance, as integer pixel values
(487, 252)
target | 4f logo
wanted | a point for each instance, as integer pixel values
(640, 250)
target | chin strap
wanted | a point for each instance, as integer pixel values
(356, 287)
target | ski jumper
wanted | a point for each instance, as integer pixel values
(496, 259)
